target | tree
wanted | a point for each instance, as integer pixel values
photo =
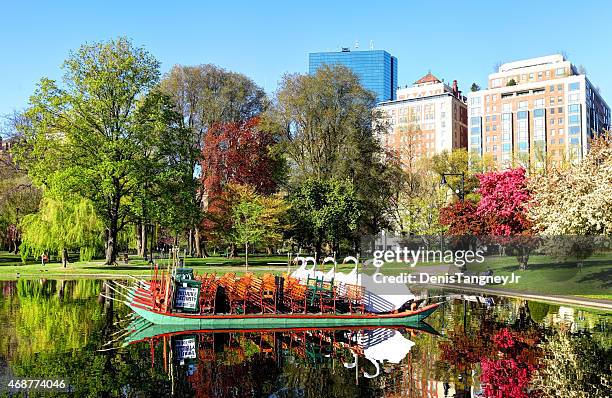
(18, 195)
(504, 200)
(327, 121)
(207, 96)
(331, 130)
(18, 198)
(91, 137)
(239, 153)
(475, 87)
(459, 161)
(575, 200)
(324, 211)
(248, 218)
(62, 225)
(511, 82)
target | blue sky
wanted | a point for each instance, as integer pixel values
(264, 39)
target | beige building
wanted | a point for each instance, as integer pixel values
(535, 111)
(427, 118)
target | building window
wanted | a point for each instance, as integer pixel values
(552, 88)
(560, 120)
(523, 105)
(560, 109)
(574, 86)
(506, 108)
(560, 87)
(552, 111)
(560, 71)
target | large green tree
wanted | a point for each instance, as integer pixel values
(99, 135)
(332, 130)
(324, 211)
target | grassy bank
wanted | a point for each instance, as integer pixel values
(11, 267)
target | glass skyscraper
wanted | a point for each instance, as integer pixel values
(377, 69)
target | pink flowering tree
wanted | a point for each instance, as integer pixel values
(503, 203)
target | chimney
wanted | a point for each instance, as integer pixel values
(455, 89)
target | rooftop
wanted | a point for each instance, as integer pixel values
(428, 79)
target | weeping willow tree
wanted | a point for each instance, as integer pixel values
(62, 225)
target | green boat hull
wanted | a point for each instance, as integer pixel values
(280, 321)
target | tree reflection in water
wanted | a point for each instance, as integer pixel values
(513, 349)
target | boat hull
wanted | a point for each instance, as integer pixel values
(282, 321)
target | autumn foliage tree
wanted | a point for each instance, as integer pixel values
(239, 153)
(235, 154)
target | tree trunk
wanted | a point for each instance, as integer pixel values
(198, 249)
(139, 239)
(246, 256)
(205, 249)
(190, 243)
(143, 233)
(318, 246)
(111, 231)
(64, 257)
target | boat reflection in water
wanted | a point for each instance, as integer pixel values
(203, 358)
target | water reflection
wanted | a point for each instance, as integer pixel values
(487, 348)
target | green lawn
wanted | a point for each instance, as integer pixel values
(547, 276)
(11, 267)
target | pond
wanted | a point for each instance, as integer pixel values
(498, 347)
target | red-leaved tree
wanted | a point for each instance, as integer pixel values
(235, 153)
(238, 153)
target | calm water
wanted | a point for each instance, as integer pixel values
(513, 348)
